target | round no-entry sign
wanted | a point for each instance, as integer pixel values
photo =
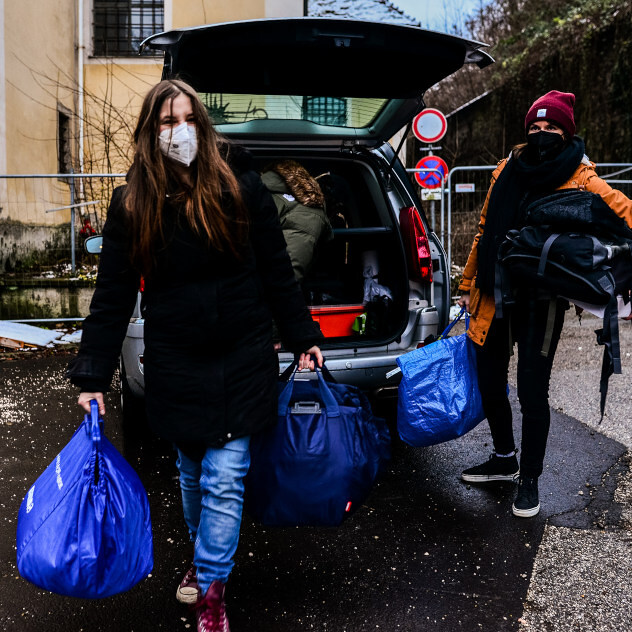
(431, 179)
(429, 125)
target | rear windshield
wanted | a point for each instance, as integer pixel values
(335, 111)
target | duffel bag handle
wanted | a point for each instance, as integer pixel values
(94, 423)
(462, 313)
(327, 399)
(287, 373)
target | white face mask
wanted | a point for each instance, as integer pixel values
(179, 143)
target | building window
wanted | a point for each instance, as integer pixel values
(64, 153)
(325, 110)
(121, 25)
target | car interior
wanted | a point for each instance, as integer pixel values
(356, 286)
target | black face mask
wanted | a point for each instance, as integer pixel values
(544, 146)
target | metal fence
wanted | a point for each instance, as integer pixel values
(455, 217)
(44, 219)
(42, 260)
(467, 187)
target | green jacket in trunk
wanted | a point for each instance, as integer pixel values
(303, 226)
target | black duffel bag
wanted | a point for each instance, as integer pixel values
(577, 266)
(574, 246)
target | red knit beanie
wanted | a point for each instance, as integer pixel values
(554, 106)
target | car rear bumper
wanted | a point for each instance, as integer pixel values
(365, 367)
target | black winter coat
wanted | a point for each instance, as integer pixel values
(210, 367)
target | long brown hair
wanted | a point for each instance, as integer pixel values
(213, 192)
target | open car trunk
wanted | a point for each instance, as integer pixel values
(272, 78)
(357, 285)
(329, 93)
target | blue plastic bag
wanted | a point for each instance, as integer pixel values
(84, 528)
(439, 398)
(320, 461)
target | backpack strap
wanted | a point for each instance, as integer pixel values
(550, 322)
(552, 310)
(545, 252)
(609, 337)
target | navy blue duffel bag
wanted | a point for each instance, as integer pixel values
(320, 461)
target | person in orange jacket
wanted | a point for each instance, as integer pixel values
(552, 159)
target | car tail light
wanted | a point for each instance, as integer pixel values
(416, 244)
(142, 284)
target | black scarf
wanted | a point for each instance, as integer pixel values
(519, 182)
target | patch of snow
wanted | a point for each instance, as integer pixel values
(73, 337)
(373, 10)
(27, 333)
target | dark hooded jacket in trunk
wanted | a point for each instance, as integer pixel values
(210, 367)
(300, 204)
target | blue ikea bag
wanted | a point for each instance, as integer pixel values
(84, 528)
(319, 462)
(439, 398)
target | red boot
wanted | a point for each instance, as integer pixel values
(210, 609)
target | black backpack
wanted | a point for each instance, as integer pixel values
(576, 247)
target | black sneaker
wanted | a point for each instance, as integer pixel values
(496, 468)
(527, 502)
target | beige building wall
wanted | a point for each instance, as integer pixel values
(124, 81)
(40, 71)
(38, 80)
(113, 93)
(212, 11)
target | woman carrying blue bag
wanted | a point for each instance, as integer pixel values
(197, 223)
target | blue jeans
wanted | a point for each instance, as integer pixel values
(212, 499)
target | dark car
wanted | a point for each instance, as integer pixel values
(329, 94)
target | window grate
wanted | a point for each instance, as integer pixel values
(121, 25)
(64, 155)
(325, 110)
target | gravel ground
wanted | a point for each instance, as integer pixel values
(579, 583)
(582, 577)
(575, 381)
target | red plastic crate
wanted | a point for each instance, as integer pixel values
(336, 320)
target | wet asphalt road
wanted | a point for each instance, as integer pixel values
(427, 552)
